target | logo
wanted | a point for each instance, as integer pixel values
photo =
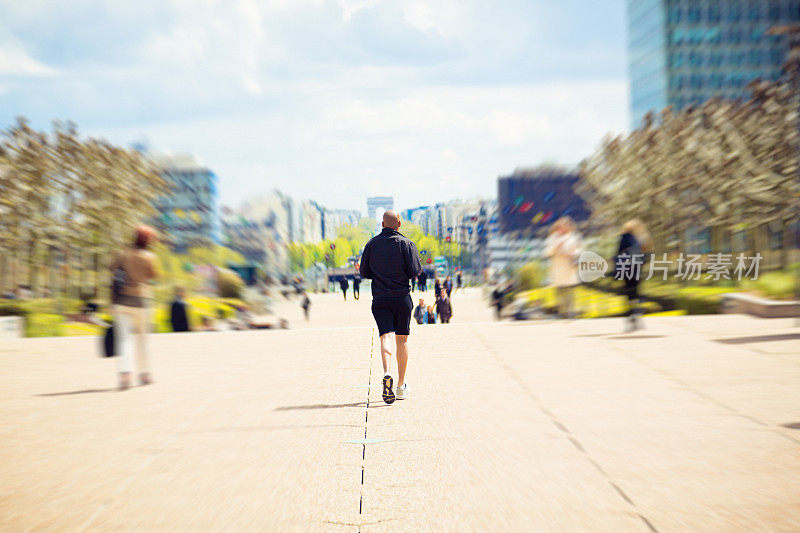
(591, 266)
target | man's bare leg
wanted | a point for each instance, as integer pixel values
(402, 358)
(386, 351)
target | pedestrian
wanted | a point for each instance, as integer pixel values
(132, 270)
(305, 303)
(390, 260)
(443, 307)
(422, 281)
(431, 315)
(421, 312)
(177, 313)
(356, 286)
(634, 243)
(413, 284)
(437, 286)
(448, 285)
(563, 248)
(458, 281)
(344, 285)
(498, 295)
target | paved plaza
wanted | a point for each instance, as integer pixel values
(690, 425)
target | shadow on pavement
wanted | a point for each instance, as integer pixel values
(792, 425)
(760, 338)
(328, 406)
(637, 337)
(73, 392)
(319, 406)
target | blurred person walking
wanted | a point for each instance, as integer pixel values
(132, 270)
(443, 307)
(390, 260)
(634, 243)
(563, 248)
(448, 285)
(422, 281)
(458, 281)
(344, 285)
(356, 286)
(437, 286)
(178, 317)
(305, 303)
(413, 284)
(421, 312)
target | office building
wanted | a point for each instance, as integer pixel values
(259, 230)
(530, 200)
(682, 52)
(188, 215)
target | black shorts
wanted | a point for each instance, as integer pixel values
(393, 314)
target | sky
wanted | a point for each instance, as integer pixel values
(330, 100)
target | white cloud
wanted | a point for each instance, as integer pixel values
(14, 61)
(330, 99)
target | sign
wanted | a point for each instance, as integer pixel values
(449, 229)
(327, 257)
(424, 252)
(447, 239)
(440, 260)
(333, 246)
(430, 260)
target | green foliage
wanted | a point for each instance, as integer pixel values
(775, 285)
(230, 284)
(531, 275)
(44, 325)
(350, 242)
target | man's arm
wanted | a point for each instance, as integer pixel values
(363, 267)
(411, 259)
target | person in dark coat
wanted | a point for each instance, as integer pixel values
(305, 303)
(356, 286)
(178, 316)
(634, 243)
(390, 260)
(443, 307)
(458, 281)
(422, 281)
(437, 286)
(344, 285)
(448, 286)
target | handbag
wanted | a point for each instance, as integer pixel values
(108, 343)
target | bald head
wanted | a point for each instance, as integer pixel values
(391, 220)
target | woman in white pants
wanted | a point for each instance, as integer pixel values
(132, 271)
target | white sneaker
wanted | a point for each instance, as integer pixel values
(401, 392)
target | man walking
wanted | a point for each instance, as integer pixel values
(390, 260)
(356, 286)
(344, 285)
(444, 308)
(422, 281)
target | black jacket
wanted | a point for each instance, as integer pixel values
(180, 322)
(390, 260)
(444, 308)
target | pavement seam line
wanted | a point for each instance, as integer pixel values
(366, 420)
(556, 422)
(703, 395)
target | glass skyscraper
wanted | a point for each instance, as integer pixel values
(682, 52)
